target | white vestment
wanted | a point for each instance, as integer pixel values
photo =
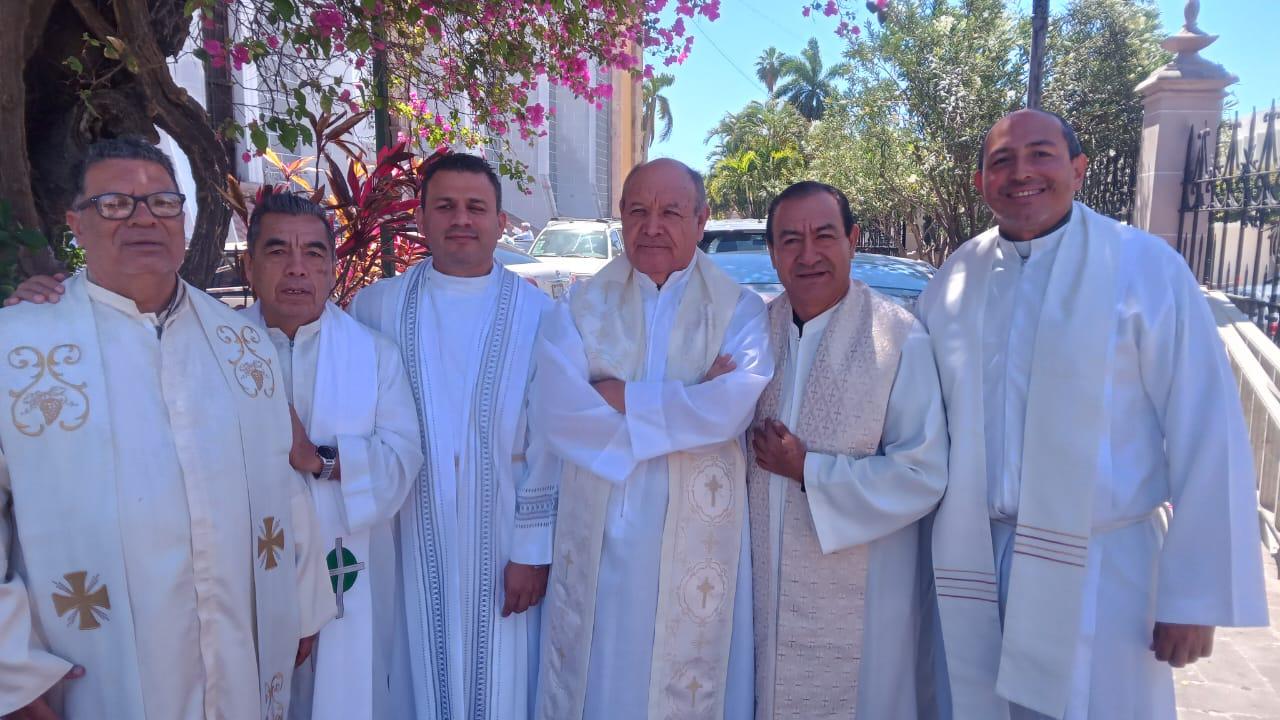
(350, 391)
(157, 567)
(852, 502)
(631, 451)
(467, 344)
(1168, 428)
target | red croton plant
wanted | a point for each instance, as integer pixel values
(368, 202)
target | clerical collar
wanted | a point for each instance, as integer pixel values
(302, 333)
(160, 320)
(459, 285)
(675, 279)
(1042, 242)
(817, 323)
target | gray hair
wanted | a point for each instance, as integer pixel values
(127, 147)
(699, 185)
(286, 203)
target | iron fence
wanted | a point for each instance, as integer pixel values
(1230, 214)
(1109, 183)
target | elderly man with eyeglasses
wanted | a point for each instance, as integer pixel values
(156, 549)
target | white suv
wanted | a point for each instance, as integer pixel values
(569, 250)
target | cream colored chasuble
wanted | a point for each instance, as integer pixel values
(161, 529)
(706, 510)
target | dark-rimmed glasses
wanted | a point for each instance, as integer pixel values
(121, 206)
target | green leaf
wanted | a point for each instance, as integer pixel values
(258, 137)
(283, 8)
(299, 98)
(31, 238)
(289, 137)
(74, 64)
(110, 53)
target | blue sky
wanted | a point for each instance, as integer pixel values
(719, 75)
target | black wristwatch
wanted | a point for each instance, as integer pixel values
(329, 456)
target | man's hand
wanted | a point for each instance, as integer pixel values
(302, 456)
(723, 365)
(39, 708)
(614, 392)
(525, 586)
(305, 646)
(38, 289)
(1181, 645)
(779, 451)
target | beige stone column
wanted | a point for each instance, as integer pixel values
(1184, 94)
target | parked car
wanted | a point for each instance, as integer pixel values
(569, 250)
(733, 236)
(738, 247)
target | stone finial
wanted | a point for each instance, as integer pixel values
(1191, 13)
(1186, 45)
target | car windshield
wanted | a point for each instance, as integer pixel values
(565, 242)
(734, 241)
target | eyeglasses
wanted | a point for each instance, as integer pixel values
(121, 206)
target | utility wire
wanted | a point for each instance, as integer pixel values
(702, 32)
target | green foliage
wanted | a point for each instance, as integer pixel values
(14, 239)
(769, 68)
(656, 108)
(760, 150)
(807, 83)
(925, 86)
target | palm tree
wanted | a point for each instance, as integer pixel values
(657, 108)
(769, 67)
(808, 86)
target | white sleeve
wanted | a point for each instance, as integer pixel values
(316, 605)
(27, 669)
(668, 416)
(1210, 564)
(537, 496)
(378, 470)
(854, 501)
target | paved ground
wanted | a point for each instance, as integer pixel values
(1241, 681)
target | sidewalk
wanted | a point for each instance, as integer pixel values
(1241, 681)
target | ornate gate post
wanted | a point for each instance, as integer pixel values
(1186, 93)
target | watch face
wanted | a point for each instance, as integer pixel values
(326, 452)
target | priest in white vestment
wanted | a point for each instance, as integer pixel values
(647, 378)
(475, 535)
(158, 554)
(849, 451)
(1085, 386)
(355, 439)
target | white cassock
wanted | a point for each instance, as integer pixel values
(630, 451)
(859, 386)
(467, 344)
(185, 534)
(1091, 369)
(350, 391)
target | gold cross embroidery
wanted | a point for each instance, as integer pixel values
(705, 588)
(86, 598)
(270, 542)
(694, 686)
(713, 486)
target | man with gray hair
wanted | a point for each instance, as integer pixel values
(158, 556)
(647, 377)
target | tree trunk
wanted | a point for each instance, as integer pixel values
(24, 23)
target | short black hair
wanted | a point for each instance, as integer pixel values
(461, 162)
(1074, 148)
(125, 147)
(805, 188)
(699, 184)
(287, 203)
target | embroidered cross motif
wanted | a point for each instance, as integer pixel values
(713, 486)
(705, 588)
(693, 687)
(270, 542)
(343, 570)
(83, 598)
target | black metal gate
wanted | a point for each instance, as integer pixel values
(1230, 219)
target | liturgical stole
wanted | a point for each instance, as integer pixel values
(702, 534)
(58, 443)
(815, 648)
(1030, 662)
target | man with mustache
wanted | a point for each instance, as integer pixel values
(475, 536)
(647, 378)
(849, 451)
(158, 554)
(1085, 386)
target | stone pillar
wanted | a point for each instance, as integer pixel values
(1184, 94)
